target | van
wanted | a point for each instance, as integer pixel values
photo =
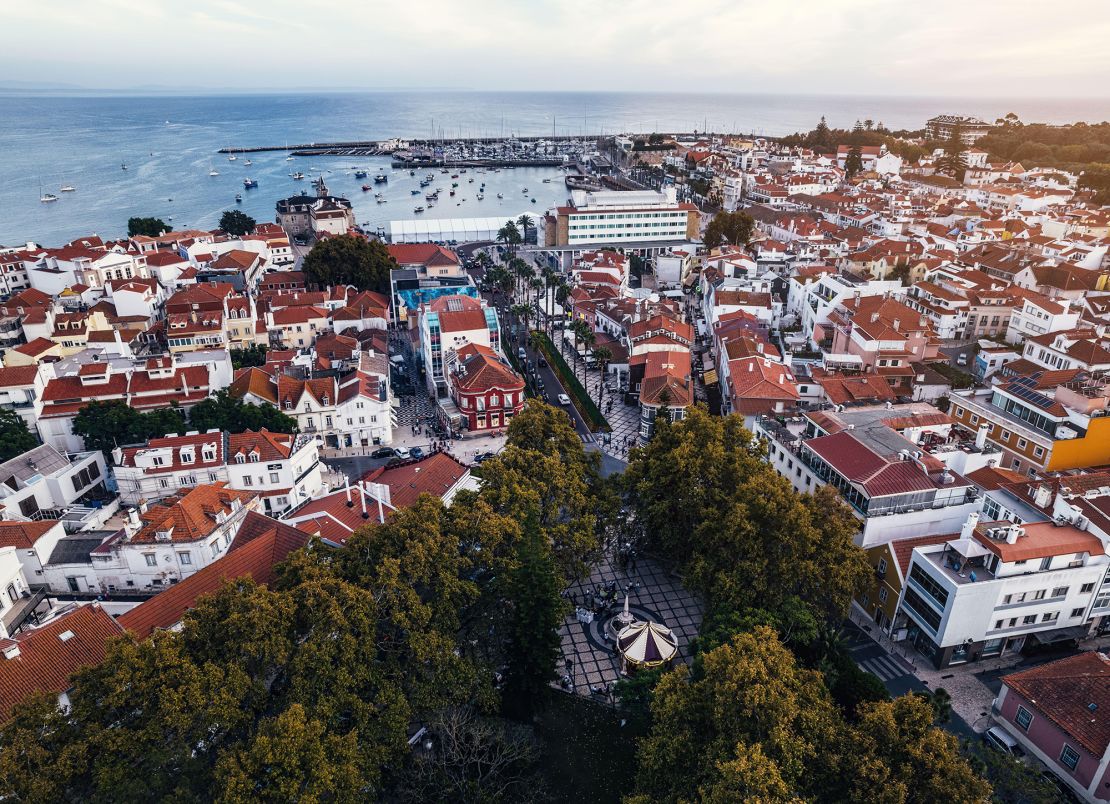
(521, 354)
(1000, 740)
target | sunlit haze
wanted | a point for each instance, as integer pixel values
(948, 48)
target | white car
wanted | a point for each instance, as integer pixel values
(564, 399)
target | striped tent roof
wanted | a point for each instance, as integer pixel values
(647, 644)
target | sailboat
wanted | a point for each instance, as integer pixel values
(248, 163)
(46, 198)
(232, 158)
(68, 188)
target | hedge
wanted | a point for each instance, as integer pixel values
(578, 395)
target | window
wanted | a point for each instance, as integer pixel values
(1022, 443)
(1039, 594)
(1060, 591)
(1030, 619)
(1006, 435)
(151, 559)
(882, 566)
(1050, 616)
(1023, 717)
(215, 548)
(1069, 757)
(1046, 563)
(248, 480)
(185, 558)
(1087, 587)
(1076, 613)
(882, 594)
(273, 477)
(998, 624)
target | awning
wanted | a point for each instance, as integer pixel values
(1061, 634)
(968, 548)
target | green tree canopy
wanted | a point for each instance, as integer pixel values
(106, 425)
(349, 260)
(735, 228)
(853, 163)
(230, 413)
(236, 223)
(15, 438)
(151, 227)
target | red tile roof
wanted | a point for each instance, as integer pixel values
(46, 660)
(434, 474)
(260, 544)
(190, 516)
(1064, 692)
(23, 535)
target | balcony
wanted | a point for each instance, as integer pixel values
(23, 609)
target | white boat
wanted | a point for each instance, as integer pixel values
(248, 163)
(46, 198)
(68, 188)
(232, 158)
(499, 195)
(547, 181)
(418, 209)
(288, 159)
(297, 176)
(213, 172)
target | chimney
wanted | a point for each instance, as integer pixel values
(981, 436)
(362, 495)
(347, 483)
(1013, 533)
(1043, 496)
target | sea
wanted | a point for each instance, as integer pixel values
(170, 144)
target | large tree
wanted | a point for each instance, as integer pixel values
(735, 228)
(106, 425)
(151, 227)
(853, 163)
(236, 223)
(15, 438)
(230, 413)
(349, 260)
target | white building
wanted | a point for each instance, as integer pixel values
(989, 587)
(165, 466)
(284, 470)
(172, 539)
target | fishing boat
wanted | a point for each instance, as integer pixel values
(463, 170)
(249, 183)
(238, 198)
(123, 166)
(454, 184)
(68, 188)
(360, 174)
(297, 176)
(365, 188)
(547, 181)
(418, 209)
(380, 178)
(431, 196)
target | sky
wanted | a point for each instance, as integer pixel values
(883, 47)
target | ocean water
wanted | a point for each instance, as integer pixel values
(170, 143)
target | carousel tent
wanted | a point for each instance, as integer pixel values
(646, 644)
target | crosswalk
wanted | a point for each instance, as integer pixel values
(885, 667)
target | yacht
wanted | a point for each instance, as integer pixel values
(249, 183)
(68, 188)
(232, 158)
(46, 198)
(213, 172)
(380, 178)
(418, 209)
(360, 174)
(248, 163)
(297, 176)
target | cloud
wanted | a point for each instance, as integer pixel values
(858, 47)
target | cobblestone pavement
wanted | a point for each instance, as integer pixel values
(656, 594)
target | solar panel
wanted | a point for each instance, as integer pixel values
(1020, 388)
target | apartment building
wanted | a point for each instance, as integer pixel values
(993, 585)
(611, 217)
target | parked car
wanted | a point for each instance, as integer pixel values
(1000, 740)
(390, 452)
(521, 354)
(564, 399)
(543, 363)
(483, 457)
(961, 359)
(416, 452)
(539, 384)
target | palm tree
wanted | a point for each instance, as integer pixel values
(524, 222)
(550, 279)
(602, 354)
(580, 329)
(537, 286)
(524, 272)
(587, 342)
(562, 293)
